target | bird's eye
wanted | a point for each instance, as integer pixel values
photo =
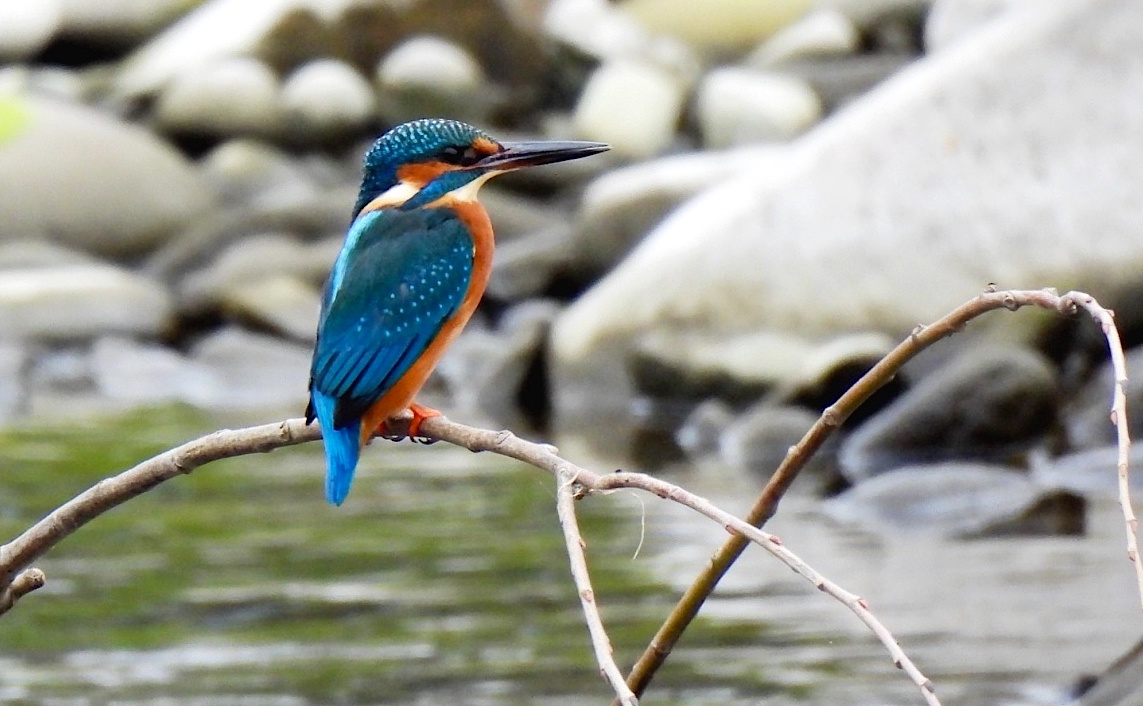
(460, 156)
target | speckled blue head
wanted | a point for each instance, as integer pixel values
(408, 143)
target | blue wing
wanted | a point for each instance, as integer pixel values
(399, 277)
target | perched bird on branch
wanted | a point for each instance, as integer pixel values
(412, 270)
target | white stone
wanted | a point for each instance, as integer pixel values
(716, 24)
(432, 63)
(826, 32)
(26, 26)
(947, 22)
(228, 96)
(326, 95)
(280, 303)
(737, 105)
(91, 181)
(118, 21)
(80, 301)
(633, 106)
(987, 162)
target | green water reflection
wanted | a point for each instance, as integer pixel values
(443, 577)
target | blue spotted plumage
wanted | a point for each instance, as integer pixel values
(413, 267)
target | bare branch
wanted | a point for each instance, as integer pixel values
(604, 654)
(26, 582)
(835, 415)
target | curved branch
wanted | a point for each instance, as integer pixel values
(833, 416)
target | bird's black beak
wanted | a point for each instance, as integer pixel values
(517, 155)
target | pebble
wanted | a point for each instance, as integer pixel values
(28, 26)
(716, 25)
(633, 106)
(232, 96)
(79, 301)
(117, 23)
(947, 22)
(737, 105)
(826, 32)
(432, 64)
(282, 304)
(759, 440)
(987, 404)
(251, 370)
(326, 99)
(128, 194)
(956, 499)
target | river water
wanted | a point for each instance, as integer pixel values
(444, 580)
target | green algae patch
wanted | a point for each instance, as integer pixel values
(15, 117)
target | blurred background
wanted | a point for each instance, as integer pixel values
(794, 185)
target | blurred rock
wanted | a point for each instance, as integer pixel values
(988, 404)
(1119, 685)
(948, 22)
(118, 23)
(736, 106)
(719, 25)
(251, 371)
(620, 207)
(1091, 473)
(326, 99)
(243, 169)
(28, 27)
(524, 267)
(25, 254)
(1087, 417)
(93, 182)
(68, 302)
(282, 304)
(515, 215)
(249, 260)
(958, 500)
(837, 81)
(699, 434)
(603, 31)
(15, 359)
(429, 75)
(852, 233)
(484, 369)
(633, 106)
(759, 440)
(231, 96)
(128, 371)
(826, 32)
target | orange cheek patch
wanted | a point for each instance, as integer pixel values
(421, 173)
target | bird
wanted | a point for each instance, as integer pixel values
(413, 267)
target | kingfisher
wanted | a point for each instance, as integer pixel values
(410, 274)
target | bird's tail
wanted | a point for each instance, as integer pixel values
(342, 448)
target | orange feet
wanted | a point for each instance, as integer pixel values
(414, 416)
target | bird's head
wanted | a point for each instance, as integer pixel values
(418, 162)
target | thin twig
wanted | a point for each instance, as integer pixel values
(1106, 319)
(604, 654)
(26, 582)
(689, 604)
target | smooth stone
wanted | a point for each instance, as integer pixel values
(514, 216)
(243, 169)
(282, 304)
(716, 25)
(603, 31)
(758, 441)
(699, 434)
(958, 500)
(825, 32)
(838, 81)
(326, 99)
(429, 75)
(947, 22)
(990, 403)
(1087, 416)
(15, 360)
(484, 370)
(128, 193)
(69, 302)
(252, 370)
(28, 27)
(854, 203)
(253, 259)
(1092, 473)
(132, 372)
(526, 266)
(215, 30)
(633, 106)
(618, 208)
(232, 96)
(118, 23)
(737, 106)
(17, 254)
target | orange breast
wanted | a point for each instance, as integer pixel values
(401, 395)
